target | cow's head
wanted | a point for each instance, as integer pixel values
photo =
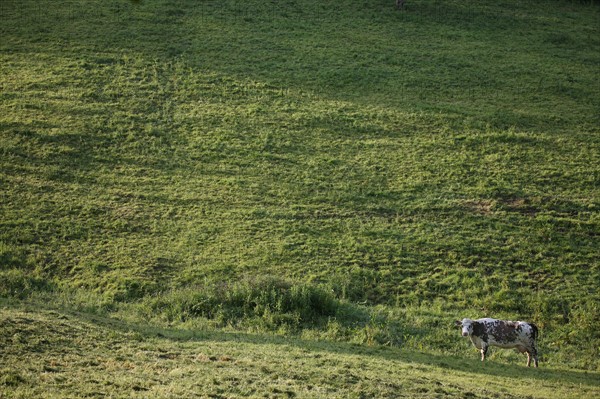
(466, 326)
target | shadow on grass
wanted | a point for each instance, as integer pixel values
(167, 30)
(422, 358)
(417, 358)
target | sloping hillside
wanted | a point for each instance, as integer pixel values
(340, 172)
(73, 355)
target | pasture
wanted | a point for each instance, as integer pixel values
(297, 199)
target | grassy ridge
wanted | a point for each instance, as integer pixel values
(437, 163)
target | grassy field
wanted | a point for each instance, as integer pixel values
(309, 186)
(74, 355)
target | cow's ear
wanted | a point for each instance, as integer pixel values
(458, 323)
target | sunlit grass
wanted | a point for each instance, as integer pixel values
(415, 166)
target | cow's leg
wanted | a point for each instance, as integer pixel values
(484, 350)
(532, 354)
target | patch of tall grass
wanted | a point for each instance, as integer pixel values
(273, 300)
(273, 305)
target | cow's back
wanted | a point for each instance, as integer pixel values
(510, 334)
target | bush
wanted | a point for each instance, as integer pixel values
(269, 301)
(270, 304)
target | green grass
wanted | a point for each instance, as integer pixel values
(320, 172)
(74, 355)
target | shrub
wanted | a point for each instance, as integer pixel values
(267, 302)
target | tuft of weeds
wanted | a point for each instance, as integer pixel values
(272, 300)
(274, 305)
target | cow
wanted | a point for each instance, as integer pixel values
(502, 333)
(400, 4)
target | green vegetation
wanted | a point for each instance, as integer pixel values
(265, 175)
(74, 355)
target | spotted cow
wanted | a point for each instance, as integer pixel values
(504, 334)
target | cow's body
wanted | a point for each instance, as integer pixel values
(488, 332)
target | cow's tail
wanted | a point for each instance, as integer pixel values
(535, 331)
